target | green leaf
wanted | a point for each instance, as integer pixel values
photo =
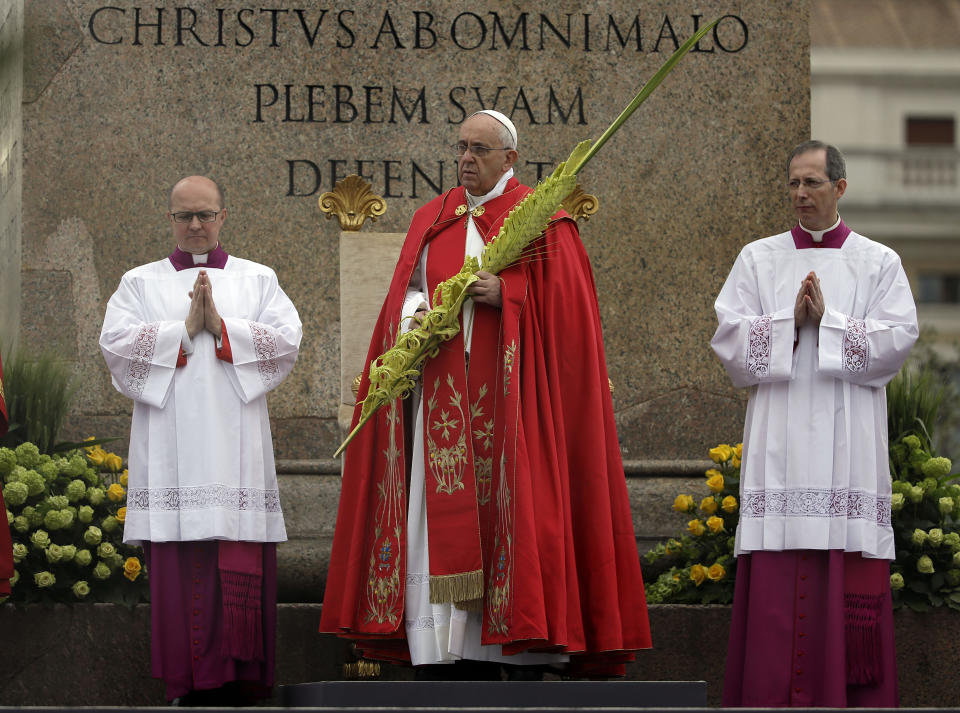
(918, 606)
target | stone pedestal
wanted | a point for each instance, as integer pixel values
(277, 103)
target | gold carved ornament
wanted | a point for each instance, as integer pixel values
(352, 201)
(580, 205)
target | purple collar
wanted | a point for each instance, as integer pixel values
(216, 259)
(831, 239)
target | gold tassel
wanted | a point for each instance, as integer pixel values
(361, 669)
(456, 587)
(470, 605)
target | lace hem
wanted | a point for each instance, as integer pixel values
(265, 346)
(421, 623)
(816, 502)
(855, 352)
(204, 497)
(758, 351)
(141, 357)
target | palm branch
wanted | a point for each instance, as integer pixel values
(394, 373)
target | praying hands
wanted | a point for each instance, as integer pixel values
(809, 306)
(203, 311)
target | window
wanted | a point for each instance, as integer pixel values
(933, 288)
(923, 131)
(930, 161)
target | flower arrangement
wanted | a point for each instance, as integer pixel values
(926, 526)
(66, 516)
(701, 562)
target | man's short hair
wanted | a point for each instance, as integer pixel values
(836, 167)
(223, 203)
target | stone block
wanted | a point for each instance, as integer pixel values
(278, 104)
(99, 654)
(47, 317)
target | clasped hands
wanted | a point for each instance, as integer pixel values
(203, 312)
(809, 306)
(486, 290)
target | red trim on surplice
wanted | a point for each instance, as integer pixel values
(561, 571)
(224, 352)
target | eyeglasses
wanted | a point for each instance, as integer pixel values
(204, 216)
(811, 184)
(478, 150)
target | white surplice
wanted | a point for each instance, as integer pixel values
(814, 471)
(443, 633)
(201, 461)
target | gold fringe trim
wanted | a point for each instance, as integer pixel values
(471, 605)
(361, 669)
(456, 587)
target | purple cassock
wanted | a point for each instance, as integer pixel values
(812, 628)
(187, 619)
(196, 637)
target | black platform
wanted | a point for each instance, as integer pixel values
(493, 695)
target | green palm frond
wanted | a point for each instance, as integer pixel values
(393, 374)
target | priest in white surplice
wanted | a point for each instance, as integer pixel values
(814, 321)
(197, 340)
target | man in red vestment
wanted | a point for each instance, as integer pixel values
(6, 543)
(486, 518)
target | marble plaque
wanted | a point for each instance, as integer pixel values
(279, 100)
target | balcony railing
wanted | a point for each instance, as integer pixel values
(928, 177)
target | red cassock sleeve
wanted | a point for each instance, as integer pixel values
(224, 353)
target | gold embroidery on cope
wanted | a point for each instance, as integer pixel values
(447, 462)
(508, 354)
(501, 570)
(384, 589)
(482, 444)
(461, 209)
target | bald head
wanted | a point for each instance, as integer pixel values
(196, 214)
(196, 182)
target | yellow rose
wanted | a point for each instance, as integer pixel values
(729, 504)
(715, 482)
(97, 456)
(738, 450)
(709, 505)
(123, 478)
(716, 572)
(122, 514)
(113, 462)
(721, 453)
(715, 524)
(735, 461)
(698, 573)
(696, 527)
(131, 568)
(683, 503)
(116, 492)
